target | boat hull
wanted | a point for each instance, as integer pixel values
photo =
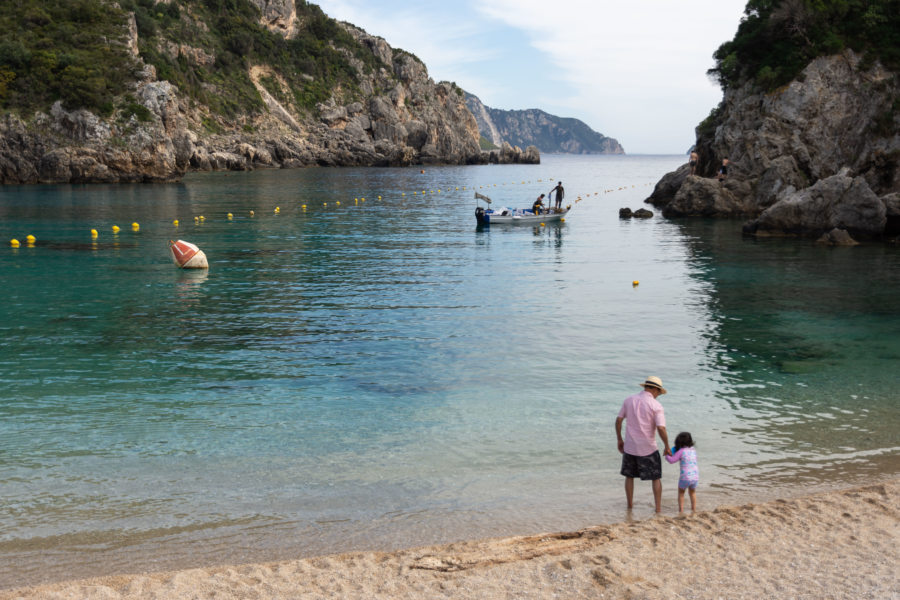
(518, 217)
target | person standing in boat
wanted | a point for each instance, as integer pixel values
(538, 206)
(560, 193)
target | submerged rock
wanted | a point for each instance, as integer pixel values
(837, 237)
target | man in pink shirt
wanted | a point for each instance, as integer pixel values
(644, 418)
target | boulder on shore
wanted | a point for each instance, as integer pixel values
(837, 202)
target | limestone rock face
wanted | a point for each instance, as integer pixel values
(702, 197)
(779, 144)
(400, 116)
(837, 202)
(278, 15)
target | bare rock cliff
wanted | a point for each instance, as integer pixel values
(399, 117)
(821, 153)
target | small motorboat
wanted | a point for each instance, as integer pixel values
(496, 216)
(187, 256)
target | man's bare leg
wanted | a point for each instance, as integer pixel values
(657, 494)
(629, 491)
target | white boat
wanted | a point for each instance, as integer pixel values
(523, 216)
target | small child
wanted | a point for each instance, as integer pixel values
(690, 474)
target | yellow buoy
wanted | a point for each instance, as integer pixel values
(14, 243)
(542, 225)
(94, 233)
(30, 239)
(403, 194)
(135, 226)
(277, 209)
(115, 229)
(252, 213)
(338, 202)
(562, 220)
(362, 199)
(635, 283)
(379, 197)
(230, 216)
(303, 207)
(202, 218)
(324, 204)
(175, 222)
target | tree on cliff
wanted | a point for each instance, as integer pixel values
(778, 38)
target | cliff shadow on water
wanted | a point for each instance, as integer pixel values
(808, 340)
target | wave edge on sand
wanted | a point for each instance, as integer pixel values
(840, 544)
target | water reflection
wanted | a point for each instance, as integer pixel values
(808, 343)
(188, 287)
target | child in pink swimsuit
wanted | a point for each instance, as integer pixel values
(684, 453)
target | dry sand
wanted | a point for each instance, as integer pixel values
(843, 544)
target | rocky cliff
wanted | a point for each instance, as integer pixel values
(534, 127)
(819, 153)
(372, 105)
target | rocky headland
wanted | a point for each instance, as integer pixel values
(535, 127)
(386, 111)
(819, 154)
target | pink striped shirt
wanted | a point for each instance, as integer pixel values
(643, 414)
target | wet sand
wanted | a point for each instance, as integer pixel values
(841, 544)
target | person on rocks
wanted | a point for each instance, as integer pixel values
(538, 206)
(644, 418)
(695, 158)
(560, 193)
(723, 170)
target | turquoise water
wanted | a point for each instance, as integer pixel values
(381, 373)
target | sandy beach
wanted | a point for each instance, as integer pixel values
(841, 544)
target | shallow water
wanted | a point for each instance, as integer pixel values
(382, 373)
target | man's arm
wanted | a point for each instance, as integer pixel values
(665, 440)
(620, 441)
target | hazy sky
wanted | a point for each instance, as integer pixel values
(634, 70)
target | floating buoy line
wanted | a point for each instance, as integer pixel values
(200, 220)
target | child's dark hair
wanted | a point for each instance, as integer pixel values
(683, 440)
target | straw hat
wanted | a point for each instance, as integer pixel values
(654, 382)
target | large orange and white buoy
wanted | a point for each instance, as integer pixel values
(187, 256)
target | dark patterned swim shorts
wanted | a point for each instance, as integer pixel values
(646, 467)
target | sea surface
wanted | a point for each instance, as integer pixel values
(362, 368)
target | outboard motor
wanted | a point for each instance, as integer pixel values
(479, 214)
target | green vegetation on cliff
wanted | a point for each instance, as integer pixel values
(75, 51)
(778, 38)
(69, 50)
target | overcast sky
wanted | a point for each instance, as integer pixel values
(634, 70)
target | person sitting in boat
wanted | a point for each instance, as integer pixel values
(538, 206)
